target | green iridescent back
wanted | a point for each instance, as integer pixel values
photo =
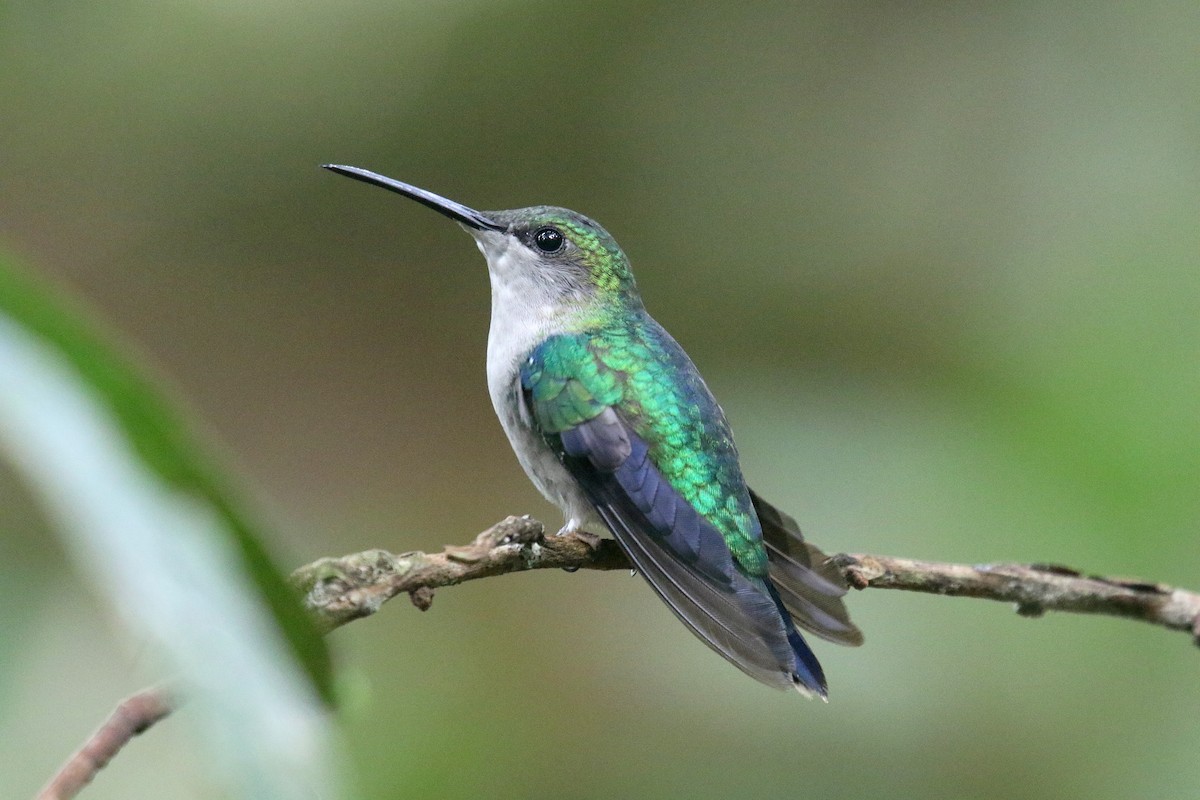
(632, 364)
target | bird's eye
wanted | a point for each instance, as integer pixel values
(548, 240)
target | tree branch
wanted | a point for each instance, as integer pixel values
(132, 716)
(1033, 588)
(339, 590)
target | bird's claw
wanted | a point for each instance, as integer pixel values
(587, 537)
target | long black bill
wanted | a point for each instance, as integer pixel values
(453, 210)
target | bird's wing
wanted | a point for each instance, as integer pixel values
(573, 400)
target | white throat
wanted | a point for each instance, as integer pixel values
(526, 308)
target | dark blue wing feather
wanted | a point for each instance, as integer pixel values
(685, 558)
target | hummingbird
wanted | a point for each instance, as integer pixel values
(613, 424)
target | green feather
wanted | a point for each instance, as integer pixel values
(634, 366)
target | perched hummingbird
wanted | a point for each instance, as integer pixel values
(612, 422)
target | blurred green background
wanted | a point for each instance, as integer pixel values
(939, 262)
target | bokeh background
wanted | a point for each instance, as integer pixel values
(939, 262)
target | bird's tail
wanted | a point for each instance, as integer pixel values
(807, 676)
(809, 589)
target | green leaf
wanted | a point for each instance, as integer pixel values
(148, 520)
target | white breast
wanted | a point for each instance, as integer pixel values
(523, 316)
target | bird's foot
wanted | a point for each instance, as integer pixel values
(589, 538)
(572, 529)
